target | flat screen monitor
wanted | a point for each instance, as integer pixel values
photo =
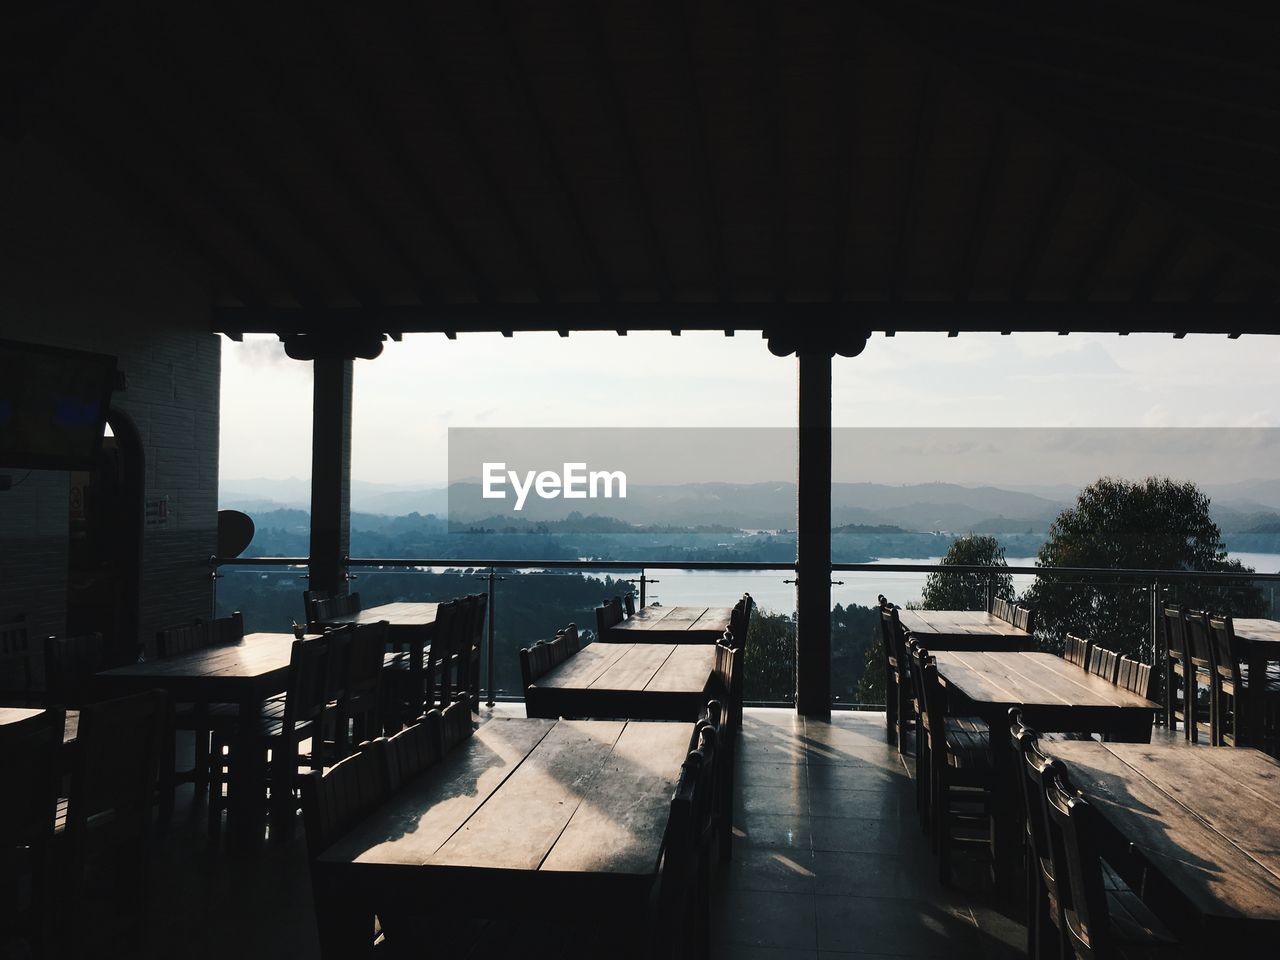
(53, 406)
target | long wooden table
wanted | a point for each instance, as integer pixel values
(1261, 641)
(962, 630)
(639, 681)
(70, 724)
(1196, 830)
(525, 814)
(411, 625)
(671, 625)
(1055, 696)
(244, 673)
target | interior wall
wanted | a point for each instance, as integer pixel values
(77, 270)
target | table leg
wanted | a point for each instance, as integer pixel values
(1256, 701)
(1006, 830)
(247, 786)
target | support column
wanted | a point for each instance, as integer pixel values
(813, 536)
(331, 473)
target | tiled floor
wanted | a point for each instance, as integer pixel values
(829, 859)
(828, 862)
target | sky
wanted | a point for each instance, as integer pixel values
(406, 400)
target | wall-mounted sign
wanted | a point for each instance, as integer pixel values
(157, 511)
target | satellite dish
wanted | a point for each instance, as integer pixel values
(235, 532)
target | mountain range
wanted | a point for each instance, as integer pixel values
(1237, 507)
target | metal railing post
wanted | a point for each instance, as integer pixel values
(491, 579)
(991, 589)
(642, 583)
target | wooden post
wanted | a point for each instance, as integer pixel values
(813, 536)
(330, 473)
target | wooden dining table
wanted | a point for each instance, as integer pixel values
(1055, 696)
(244, 673)
(411, 624)
(1260, 640)
(639, 681)
(671, 625)
(551, 816)
(1195, 830)
(962, 630)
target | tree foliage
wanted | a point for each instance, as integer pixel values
(1153, 524)
(770, 659)
(967, 591)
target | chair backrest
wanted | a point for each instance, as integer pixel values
(15, 656)
(1031, 776)
(188, 637)
(335, 801)
(1226, 651)
(1172, 621)
(891, 633)
(364, 657)
(341, 605)
(607, 615)
(114, 774)
(727, 680)
(1076, 650)
(690, 803)
(1134, 676)
(69, 666)
(933, 707)
(309, 600)
(1104, 663)
(573, 642)
(740, 619)
(545, 655)
(30, 751)
(307, 692)
(414, 749)
(629, 604)
(479, 613)
(1199, 643)
(1083, 896)
(337, 662)
(1024, 619)
(917, 655)
(455, 723)
(1001, 610)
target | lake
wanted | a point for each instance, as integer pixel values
(690, 587)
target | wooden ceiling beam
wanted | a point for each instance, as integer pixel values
(921, 145)
(900, 316)
(389, 138)
(843, 122)
(553, 163)
(320, 142)
(677, 14)
(420, 44)
(992, 177)
(606, 70)
(1047, 219)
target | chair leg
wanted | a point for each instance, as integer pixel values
(890, 706)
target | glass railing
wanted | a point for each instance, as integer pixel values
(530, 601)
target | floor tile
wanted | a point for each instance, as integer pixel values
(773, 798)
(769, 868)
(765, 919)
(771, 773)
(859, 835)
(774, 830)
(900, 876)
(740, 951)
(899, 927)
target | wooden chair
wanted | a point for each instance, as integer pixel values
(478, 612)
(332, 803)
(681, 922)
(1177, 689)
(896, 679)
(358, 712)
(278, 731)
(740, 619)
(309, 598)
(537, 661)
(629, 603)
(1024, 618)
(1134, 676)
(1076, 650)
(193, 717)
(69, 667)
(726, 714)
(102, 842)
(572, 640)
(1104, 663)
(15, 662)
(1098, 923)
(414, 749)
(608, 615)
(961, 770)
(1200, 664)
(1002, 610)
(1045, 929)
(444, 673)
(30, 769)
(339, 605)
(1234, 689)
(917, 654)
(727, 679)
(456, 724)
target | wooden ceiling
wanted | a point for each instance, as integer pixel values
(568, 164)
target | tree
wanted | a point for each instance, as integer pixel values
(967, 591)
(1153, 524)
(770, 662)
